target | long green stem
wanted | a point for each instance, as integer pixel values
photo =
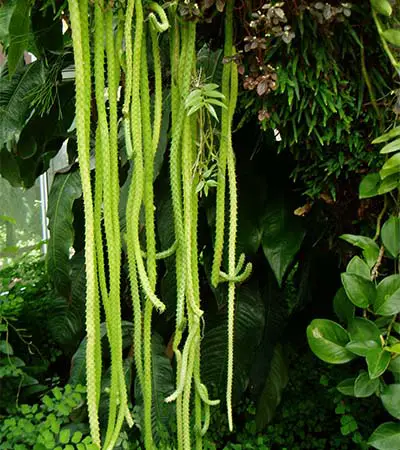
(80, 45)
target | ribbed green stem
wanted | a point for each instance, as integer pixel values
(150, 243)
(231, 245)
(83, 130)
(223, 150)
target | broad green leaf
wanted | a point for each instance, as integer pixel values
(328, 341)
(360, 291)
(392, 35)
(389, 183)
(391, 166)
(394, 365)
(64, 436)
(387, 136)
(390, 397)
(369, 185)
(387, 300)
(386, 436)
(343, 307)
(283, 234)
(364, 386)
(275, 383)
(18, 33)
(377, 362)
(391, 147)
(382, 7)
(390, 235)
(358, 267)
(65, 190)
(361, 348)
(393, 348)
(5, 347)
(369, 246)
(346, 387)
(361, 329)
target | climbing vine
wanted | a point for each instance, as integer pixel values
(124, 35)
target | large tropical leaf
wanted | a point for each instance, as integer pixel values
(65, 190)
(163, 384)
(249, 326)
(67, 322)
(18, 33)
(6, 12)
(283, 234)
(275, 383)
(15, 99)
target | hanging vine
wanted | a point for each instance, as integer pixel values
(122, 35)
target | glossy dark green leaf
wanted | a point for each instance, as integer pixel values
(358, 267)
(369, 185)
(390, 235)
(274, 385)
(386, 436)
(364, 386)
(346, 387)
(65, 190)
(18, 33)
(6, 12)
(360, 291)
(361, 329)
(328, 341)
(387, 300)
(390, 397)
(283, 234)
(394, 365)
(377, 362)
(343, 307)
(361, 348)
(369, 246)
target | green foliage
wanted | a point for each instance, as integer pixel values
(52, 424)
(373, 336)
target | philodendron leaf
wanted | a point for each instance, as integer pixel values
(358, 267)
(274, 385)
(369, 185)
(369, 246)
(377, 362)
(390, 235)
(387, 136)
(65, 190)
(343, 307)
(387, 302)
(390, 397)
(364, 386)
(346, 387)
(328, 341)
(361, 348)
(394, 365)
(391, 147)
(283, 234)
(360, 291)
(386, 436)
